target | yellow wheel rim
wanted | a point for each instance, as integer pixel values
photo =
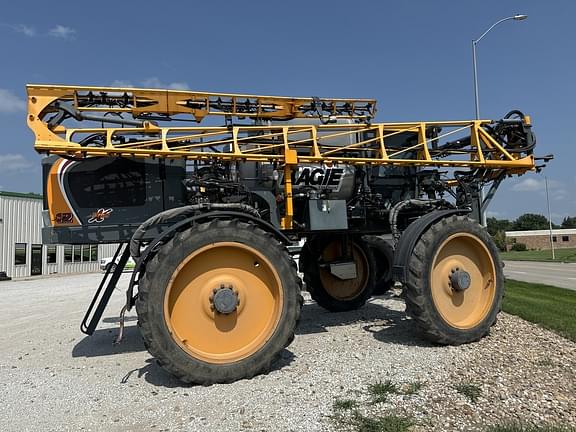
(344, 289)
(463, 308)
(198, 327)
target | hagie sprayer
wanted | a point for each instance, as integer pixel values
(208, 212)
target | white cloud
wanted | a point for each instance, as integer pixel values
(560, 216)
(121, 83)
(529, 185)
(10, 103)
(62, 32)
(495, 214)
(153, 82)
(25, 29)
(560, 194)
(58, 31)
(556, 189)
(21, 28)
(11, 163)
(156, 83)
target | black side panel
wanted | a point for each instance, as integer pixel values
(129, 190)
(113, 196)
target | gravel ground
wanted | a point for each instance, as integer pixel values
(53, 378)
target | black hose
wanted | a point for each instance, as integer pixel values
(514, 112)
(398, 207)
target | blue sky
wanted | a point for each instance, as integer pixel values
(414, 57)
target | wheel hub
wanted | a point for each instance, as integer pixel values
(460, 279)
(225, 300)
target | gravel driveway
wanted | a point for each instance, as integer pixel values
(53, 378)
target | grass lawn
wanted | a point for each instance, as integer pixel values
(551, 307)
(562, 255)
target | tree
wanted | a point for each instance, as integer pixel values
(494, 225)
(530, 221)
(500, 240)
(569, 222)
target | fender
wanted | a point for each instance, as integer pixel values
(165, 235)
(411, 235)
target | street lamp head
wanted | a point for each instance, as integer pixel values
(520, 17)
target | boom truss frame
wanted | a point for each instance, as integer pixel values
(310, 142)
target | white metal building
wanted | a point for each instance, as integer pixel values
(21, 251)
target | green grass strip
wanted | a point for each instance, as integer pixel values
(561, 255)
(551, 307)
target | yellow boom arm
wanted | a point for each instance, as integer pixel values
(137, 123)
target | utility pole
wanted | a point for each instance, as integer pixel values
(549, 219)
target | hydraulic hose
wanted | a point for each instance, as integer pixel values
(398, 207)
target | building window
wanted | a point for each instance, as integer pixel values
(554, 239)
(68, 253)
(565, 238)
(80, 253)
(86, 253)
(77, 253)
(51, 255)
(94, 253)
(20, 254)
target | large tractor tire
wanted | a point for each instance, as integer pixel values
(455, 282)
(384, 257)
(219, 302)
(329, 291)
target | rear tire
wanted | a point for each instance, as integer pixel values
(219, 302)
(455, 282)
(327, 290)
(384, 257)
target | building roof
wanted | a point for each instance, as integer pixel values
(544, 232)
(31, 195)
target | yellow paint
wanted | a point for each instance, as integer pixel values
(463, 309)
(208, 335)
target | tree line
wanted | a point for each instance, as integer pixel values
(526, 222)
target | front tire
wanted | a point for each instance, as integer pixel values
(455, 282)
(219, 302)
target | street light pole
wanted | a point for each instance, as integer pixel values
(549, 220)
(517, 17)
(475, 42)
(476, 99)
